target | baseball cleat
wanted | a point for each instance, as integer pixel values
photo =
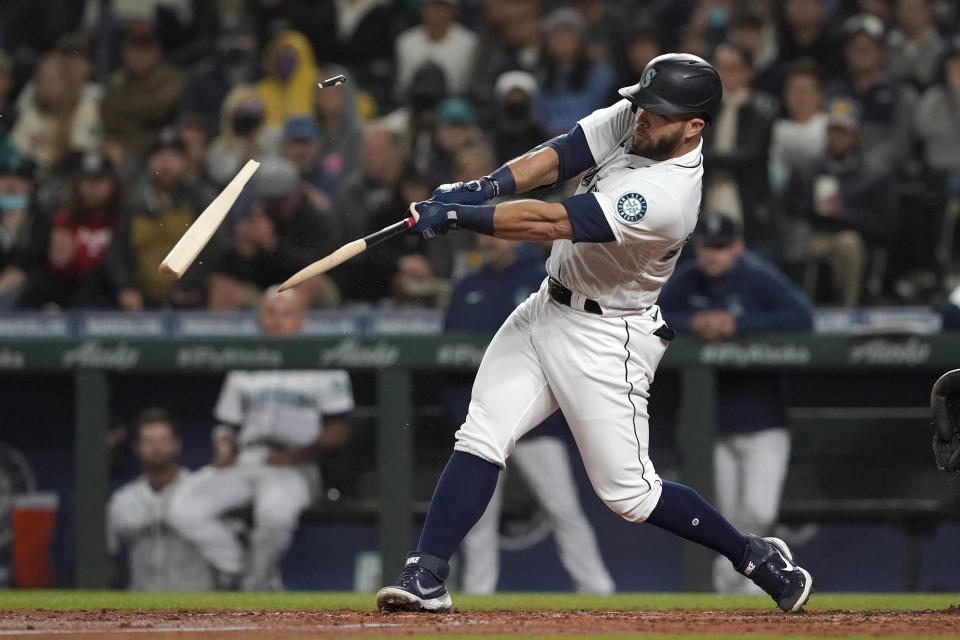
(419, 587)
(769, 563)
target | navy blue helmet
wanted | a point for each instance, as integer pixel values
(676, 83)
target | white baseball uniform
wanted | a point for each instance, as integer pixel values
(274, 409)
(596, 368)
(158, 558)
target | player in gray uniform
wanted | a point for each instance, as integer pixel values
(590, 340)
(158, 558)
(287, 419)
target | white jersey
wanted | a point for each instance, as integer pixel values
(158, 558)
(652, 208)
(282, 407)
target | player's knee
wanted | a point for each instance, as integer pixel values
(468, 442)
(634, 505)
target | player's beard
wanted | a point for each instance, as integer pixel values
(658, 150)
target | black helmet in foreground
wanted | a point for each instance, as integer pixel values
(677, 83)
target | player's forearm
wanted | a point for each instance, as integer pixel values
(531, 220)
(534, 169)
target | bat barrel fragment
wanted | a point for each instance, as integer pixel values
(196, 237)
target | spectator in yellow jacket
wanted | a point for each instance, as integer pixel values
(290, 76)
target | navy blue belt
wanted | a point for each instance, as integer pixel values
(565, 297)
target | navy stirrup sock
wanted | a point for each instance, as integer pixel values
(683, 512)
(462, 494)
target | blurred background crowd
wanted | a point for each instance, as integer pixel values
(832, 176)
(837, 149)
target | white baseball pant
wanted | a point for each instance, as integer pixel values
(278, 495)
(545, 466)
(597, 369)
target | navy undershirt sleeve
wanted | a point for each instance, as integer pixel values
(574, 152)
(587, 219)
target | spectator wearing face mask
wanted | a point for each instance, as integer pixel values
(234, 62)
(290, 77)
(244, 135)
(517, 129)
(17, 218)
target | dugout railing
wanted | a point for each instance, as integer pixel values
(920, 496)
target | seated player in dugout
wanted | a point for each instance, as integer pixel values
(287, 421)
(590, 340)
(138, 515)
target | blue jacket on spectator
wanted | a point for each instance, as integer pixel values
(483, 299)
(762, 300)
(560, 106)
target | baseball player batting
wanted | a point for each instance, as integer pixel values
(590, 340)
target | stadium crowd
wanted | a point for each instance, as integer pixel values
(837, 148)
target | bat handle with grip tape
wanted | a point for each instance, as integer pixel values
(386, 233)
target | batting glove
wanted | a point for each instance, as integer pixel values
(473, 192)
(433, 218)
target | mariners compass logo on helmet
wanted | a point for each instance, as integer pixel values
(647, 78)
(632, 207)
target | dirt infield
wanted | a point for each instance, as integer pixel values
(207, 624)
